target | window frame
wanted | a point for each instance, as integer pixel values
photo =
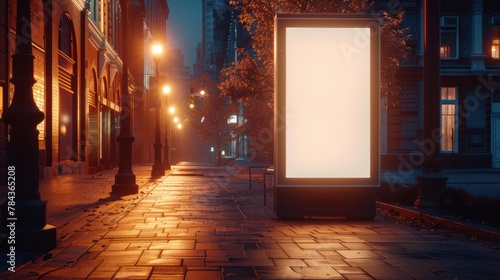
(454, 103)
(495, 30)
(449, 28)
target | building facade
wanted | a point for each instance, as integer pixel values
(154, 32)
(79, 57)
(470, 79)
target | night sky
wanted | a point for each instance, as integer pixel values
(184, 27)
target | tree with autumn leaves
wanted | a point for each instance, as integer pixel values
(210, 115)
(251, 78)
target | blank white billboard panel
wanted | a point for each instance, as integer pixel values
(327, 102)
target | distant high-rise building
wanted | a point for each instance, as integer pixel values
(216, 18)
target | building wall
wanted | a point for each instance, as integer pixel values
(156, 15)
(78, 88)
(472, 72)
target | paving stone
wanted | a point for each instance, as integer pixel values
(182, 253)
(348, 270)
(134, 272)
(358, 277)
(323, 246)
(418, 272)
(380, 270)
(276, 273)
(238, 273)
(216, 256)
(203, 275)
(174, 244)
(168, 273)
(289, 262)
(358, 254)
(193, 262)
(215, 227)
(326, 262)
(317, 272)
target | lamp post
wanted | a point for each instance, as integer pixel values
(431, 183)
(166, 148)
(158, 169)
(24, 213)
(125, 183)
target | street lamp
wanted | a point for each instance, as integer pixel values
(158, 169)
(125, 183)
(166, 148)
(23, 212)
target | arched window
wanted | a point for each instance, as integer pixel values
(66, 42)
(68, 125)
(104, 88)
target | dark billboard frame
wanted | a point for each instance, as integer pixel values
(292, 176)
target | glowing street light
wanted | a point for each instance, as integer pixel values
(157, 50)
(166, 89)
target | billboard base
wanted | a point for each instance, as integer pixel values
(356, 203)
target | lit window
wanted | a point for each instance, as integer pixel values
(449, 37)
(448, 119)
(495, 42)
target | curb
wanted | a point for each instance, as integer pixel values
(468, 229)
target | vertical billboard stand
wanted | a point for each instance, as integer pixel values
(326, 115)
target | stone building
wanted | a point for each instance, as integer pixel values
(470, 79)
(78, 49)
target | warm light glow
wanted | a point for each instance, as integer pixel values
(157, 50)
(63, 129)
(65, 118)
(495, 52)
(223, 153)
(179, 126)
(166, 89)
(202, 92)
(191, 106)
(444, 51)
(176, 120)
(171, 110)
(328, 103)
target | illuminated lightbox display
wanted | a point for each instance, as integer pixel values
(327, 101)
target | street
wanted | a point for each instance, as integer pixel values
(203, 222)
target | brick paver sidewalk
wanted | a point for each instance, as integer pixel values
(214, 227)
